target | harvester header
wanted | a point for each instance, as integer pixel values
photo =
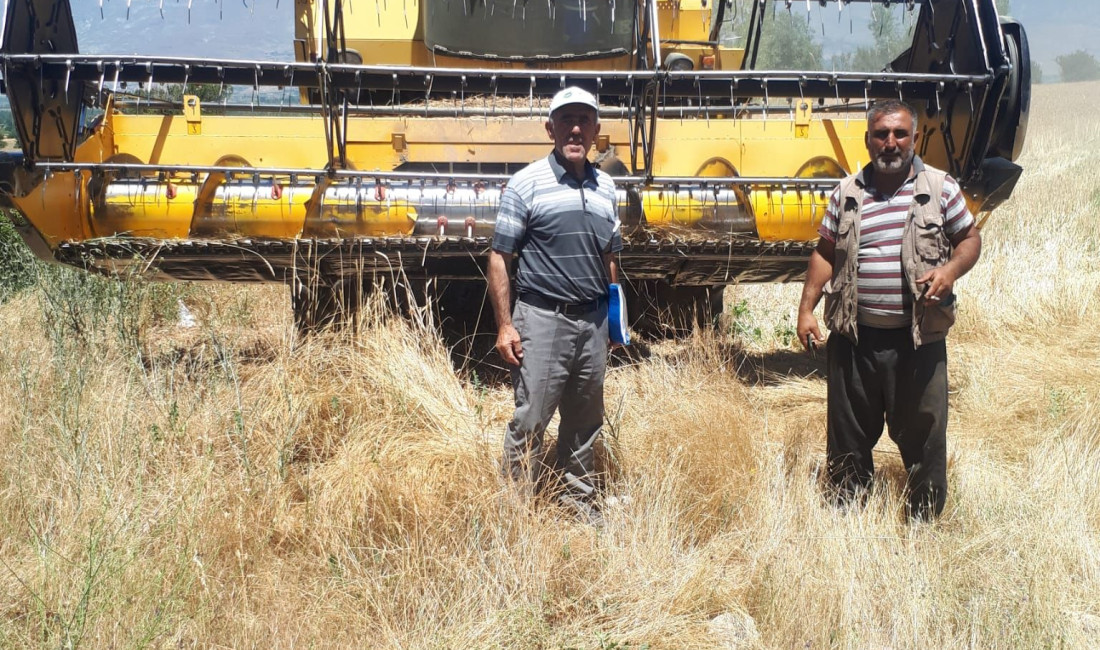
(412, 115)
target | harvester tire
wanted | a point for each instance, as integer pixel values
(322, 303)
(336, 303)
(660, 310)
(1010, 128)
(461, 306)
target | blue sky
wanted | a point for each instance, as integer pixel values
(262, 29)
(1057, 27)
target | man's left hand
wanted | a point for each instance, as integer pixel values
(938, 284)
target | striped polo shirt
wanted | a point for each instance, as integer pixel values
(884, 300)
(560, 228)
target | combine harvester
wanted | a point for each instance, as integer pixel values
(413, 114)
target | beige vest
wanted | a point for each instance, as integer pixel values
(924, 246)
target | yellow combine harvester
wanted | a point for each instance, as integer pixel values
(414, 112)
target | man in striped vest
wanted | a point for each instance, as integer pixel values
(895, 238)
(559, 216)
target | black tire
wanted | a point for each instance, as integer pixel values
(322, 303)
(660, 310)
(462, 306)
(1009, 131)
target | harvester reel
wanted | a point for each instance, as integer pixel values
(408, 133)
(1012, 112)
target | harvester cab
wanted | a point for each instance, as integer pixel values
(412, 114)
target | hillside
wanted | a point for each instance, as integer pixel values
(228, 485)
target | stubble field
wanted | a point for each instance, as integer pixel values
(226, 485)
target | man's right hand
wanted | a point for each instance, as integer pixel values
(807, 328)
(818, 272)
(509, 346)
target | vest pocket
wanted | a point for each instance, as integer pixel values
(834, 302)
(937, 317)
(931, 242)
(844, 249)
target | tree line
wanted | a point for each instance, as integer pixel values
(789, 42)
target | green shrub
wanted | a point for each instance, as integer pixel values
(18, 266)
(78, 305)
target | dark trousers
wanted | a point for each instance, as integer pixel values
(883, 379)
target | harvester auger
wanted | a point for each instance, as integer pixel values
(413, 113)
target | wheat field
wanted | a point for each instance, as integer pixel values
(229, 485)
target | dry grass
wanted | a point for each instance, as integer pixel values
(226, 486)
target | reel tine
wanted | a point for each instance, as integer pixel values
(493, 85)
(99, 92)
(427, 93)
(766, 100)
(68, 75)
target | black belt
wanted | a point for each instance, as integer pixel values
(567, 308)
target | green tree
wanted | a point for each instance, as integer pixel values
(161, 99)
(1036, 73)
(7, 123)
(174, 92)
(735, 21)
(1079, 66)
(892, 36)
(786, 43)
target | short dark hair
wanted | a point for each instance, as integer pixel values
(889, 107)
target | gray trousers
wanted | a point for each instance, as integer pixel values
(563, 365)
(883, 379)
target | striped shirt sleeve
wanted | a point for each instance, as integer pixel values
(829, 223)
(511, 222)
(956, 215)
(616, 244)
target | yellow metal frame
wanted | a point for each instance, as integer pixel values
(773, 147)
(179, 205)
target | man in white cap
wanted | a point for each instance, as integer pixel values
(559, 216)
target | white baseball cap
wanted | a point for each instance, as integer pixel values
(573, 95)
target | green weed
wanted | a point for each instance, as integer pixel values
(18, 266)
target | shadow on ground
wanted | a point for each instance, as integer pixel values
(774, 367)
(474, 357)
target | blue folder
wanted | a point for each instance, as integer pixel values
(616, 315)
